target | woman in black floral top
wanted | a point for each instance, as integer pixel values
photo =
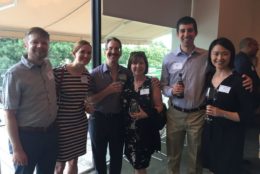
(141, 102)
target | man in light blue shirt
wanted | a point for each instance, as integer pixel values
(185, 115)
(29, 101)
(106, 124)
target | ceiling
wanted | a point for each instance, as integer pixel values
(70, 20)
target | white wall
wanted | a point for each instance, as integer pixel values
(233, 19)
(158, 12)
(236, 19)
(206, 13)
(256, 22)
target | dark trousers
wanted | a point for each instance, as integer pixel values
(41, 151)
(106, 130)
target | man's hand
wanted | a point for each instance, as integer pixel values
(20, 158)
(247, 82)
(177, 89)
(115, 87)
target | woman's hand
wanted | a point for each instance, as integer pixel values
(217, 112)
(139, 115)
(213, 111)
(89, 106)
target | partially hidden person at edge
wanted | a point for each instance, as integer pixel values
(72, 84)
(29, 101)
(141, 101)
(186, 115)
(243, 64)
(223, 136)
(106, 123)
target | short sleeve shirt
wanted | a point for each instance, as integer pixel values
(30, 90)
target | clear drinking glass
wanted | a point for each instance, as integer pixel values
(210, 99)
(133, 108)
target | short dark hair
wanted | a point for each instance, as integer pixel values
(187, 20)
(113, 39)
(136, 56)
(39, 31)
(245, 42)
(227, 44)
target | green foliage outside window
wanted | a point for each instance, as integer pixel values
(60, 53)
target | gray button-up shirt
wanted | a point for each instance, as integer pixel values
(193, 68)
(30, 90)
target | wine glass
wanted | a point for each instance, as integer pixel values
(122, 78)
(133, 108)
(210, 99)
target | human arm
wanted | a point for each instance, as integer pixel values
(138, 115)
(217, 112)
(157, 102)
(235, 105)
(157, 97)
(19, 156)
(114, 87)
(247, 82)
(242, 65)
(165, 82)
(155, 82)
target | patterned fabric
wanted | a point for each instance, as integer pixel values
(71, 119)
(141, 136)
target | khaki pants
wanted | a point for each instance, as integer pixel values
(178, 125)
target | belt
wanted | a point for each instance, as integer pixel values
(188, 110)
(37, 129)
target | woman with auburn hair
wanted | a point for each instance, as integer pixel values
(72, 84)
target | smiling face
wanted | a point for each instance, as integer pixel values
(83, 54)
(138, 66)
(186, 33)
(220, 57)
(37, 48)
(112, 52)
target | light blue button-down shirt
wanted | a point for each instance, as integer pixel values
(193, 68)
(30, 90)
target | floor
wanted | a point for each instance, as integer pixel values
(158, 162)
